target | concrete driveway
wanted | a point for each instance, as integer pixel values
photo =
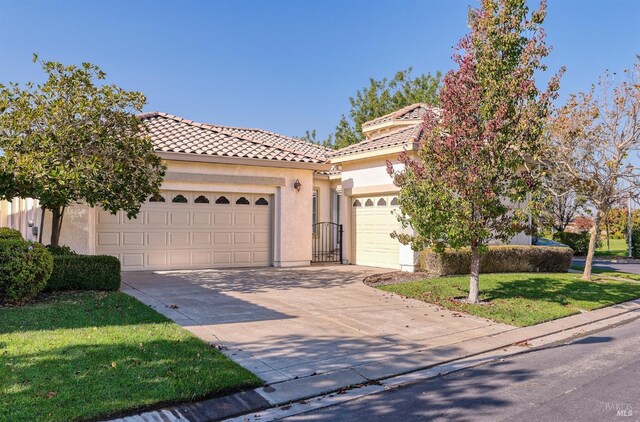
(284, 324)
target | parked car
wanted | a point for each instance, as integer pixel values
(542, 241)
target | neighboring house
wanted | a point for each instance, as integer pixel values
(235, 197)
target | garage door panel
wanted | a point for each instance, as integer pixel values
(242, 220)
(200, 239)
(108, 239)
(133, 239)
(182, 235)
(201, 218)
(222, 219)
(156, 218)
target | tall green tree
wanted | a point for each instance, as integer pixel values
(472, 166)
(380, 97)
(75, 139)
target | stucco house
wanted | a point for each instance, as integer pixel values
(236, 197)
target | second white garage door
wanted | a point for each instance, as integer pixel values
(373, 221)
(185, 230)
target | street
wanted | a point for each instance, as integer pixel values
(625, 266)
(595, 378)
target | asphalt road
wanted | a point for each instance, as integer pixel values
(596, 378)
(608, 264)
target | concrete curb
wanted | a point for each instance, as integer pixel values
(309, 393)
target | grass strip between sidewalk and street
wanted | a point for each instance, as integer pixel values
(79, 356)
(521, 299)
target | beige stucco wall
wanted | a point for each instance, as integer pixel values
(291, 211)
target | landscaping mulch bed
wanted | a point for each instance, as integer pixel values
(395, 277)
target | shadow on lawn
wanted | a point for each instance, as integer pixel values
(82, 381)
(551, 290)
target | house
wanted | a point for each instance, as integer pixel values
(236, 197)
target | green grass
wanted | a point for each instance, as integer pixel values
(521, 299)
(89, 355)
(618, 247)
(608, 272)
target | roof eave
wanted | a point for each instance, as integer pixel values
(412, 146)
(215, 159)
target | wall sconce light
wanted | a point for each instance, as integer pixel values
(297, 185)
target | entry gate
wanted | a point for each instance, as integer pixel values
(327, 242)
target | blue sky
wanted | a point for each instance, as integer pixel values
(285, 66)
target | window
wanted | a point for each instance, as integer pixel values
(222, 200)
(179, 199)
(202, 200)
(157, 198)
(394, 201)
(262, 201)
(369, 203)
(314, 209)
(357, 203)
(242, 201)
(382, 202)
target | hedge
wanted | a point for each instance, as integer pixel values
(498, 259)
(579, 242)
(635, 243)
(84, 272)
(25, 268)
(7, 233)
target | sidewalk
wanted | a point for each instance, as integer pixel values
(295, 396)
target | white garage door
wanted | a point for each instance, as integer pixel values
(183, 230)
(372, 222)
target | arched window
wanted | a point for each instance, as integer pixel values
(394, 201)
(202, 200)
(242, 201)
(357, 203)
(381, 201)
(179, 199)
(262, 201)
(369, 203)
(157, 198)
(222, 200)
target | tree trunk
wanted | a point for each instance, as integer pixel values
(475, 275)
(57, 214)
(586, 275)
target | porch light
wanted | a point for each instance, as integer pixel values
(297, 185)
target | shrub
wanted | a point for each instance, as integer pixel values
(60, 250)
(7, 233)
(635, 243)
(579, 242)
(84, 272)
(25, 268)
(498, 259)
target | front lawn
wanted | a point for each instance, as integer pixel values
(617, 247)
(521, 299)
(89, 355)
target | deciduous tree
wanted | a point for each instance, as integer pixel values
(472, 161)
(593, 135)
(75, 139)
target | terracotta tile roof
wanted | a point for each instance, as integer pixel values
(404, 136)
(170, 133)
(411, 112)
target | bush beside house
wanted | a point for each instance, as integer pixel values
(498, 259)
(25, 268)
(84, 272)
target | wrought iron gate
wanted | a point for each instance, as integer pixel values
(327, 242)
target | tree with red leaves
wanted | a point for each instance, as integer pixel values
(472, 170)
